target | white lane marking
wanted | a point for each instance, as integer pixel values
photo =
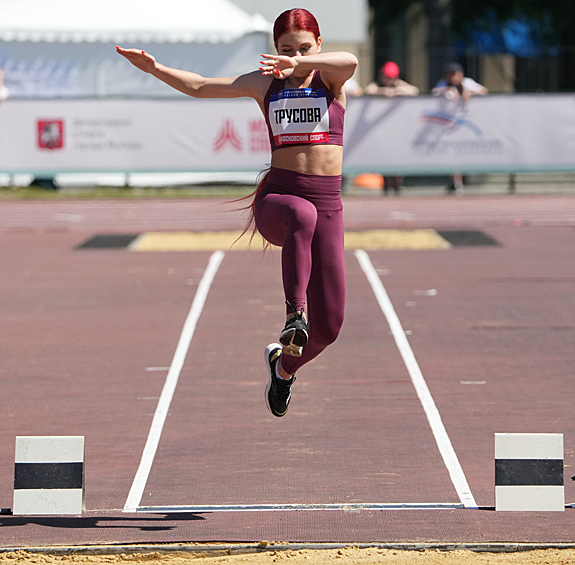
(346, 507)
(65, 217)
(161, 413)
(430, 292)
(434, 418)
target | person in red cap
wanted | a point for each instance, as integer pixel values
(391, 85)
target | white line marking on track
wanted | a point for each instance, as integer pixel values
(443, 442)
(346, 507)
(141, 478)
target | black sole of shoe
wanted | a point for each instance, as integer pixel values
(294, 337)
(293, 342)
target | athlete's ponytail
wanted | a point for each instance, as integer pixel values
(251, 221)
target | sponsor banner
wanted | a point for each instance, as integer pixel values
(420, 135)
(426, 135)
(51, 136)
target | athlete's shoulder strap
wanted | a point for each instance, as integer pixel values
(275, 86)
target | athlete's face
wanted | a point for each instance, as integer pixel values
(298, 43)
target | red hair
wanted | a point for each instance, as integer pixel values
(295, 19)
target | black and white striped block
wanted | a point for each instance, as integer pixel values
(49, 475)
(529, 472)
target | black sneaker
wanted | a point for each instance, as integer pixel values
(295, 334)
(278, 391)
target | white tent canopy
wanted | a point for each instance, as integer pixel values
(126, 20)
(66, 48)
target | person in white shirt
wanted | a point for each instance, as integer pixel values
(455, 85)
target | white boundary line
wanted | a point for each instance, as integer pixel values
(433, 416)
(141, 478)
(346, 507)
(215, 549)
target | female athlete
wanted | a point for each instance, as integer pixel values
(297, 205)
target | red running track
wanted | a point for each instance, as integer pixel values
(86, 336)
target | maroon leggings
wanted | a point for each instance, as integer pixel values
(302, 213)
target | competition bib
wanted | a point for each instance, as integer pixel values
(299, 115)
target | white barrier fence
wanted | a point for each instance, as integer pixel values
(422, 135)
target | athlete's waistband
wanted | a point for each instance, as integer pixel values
(324, 191)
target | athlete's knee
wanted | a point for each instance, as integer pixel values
(302, 217)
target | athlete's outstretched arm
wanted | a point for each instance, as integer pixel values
(193, 84)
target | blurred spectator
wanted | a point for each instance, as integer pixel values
(389, 84)
(3, 89)
(457, 87)
(352, 88)
(456, 84)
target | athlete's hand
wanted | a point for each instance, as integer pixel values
(140, 59)
(279, 66)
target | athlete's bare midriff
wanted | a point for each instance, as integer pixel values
(312, 159)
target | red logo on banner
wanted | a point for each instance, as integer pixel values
(228, 135)
(259, 137)
(50, 134)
